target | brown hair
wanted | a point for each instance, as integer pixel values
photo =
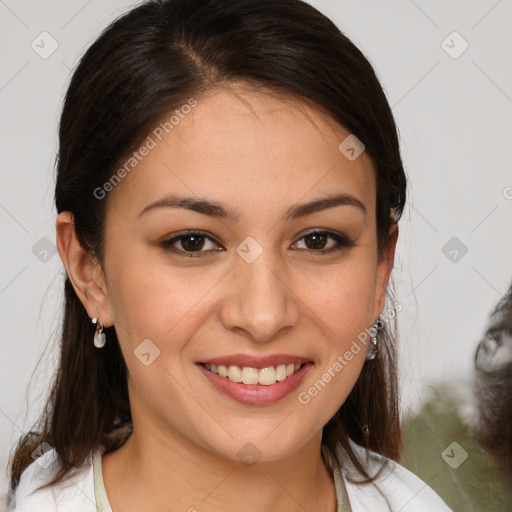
(149, 62)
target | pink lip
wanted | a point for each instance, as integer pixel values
(256, 394)
(256, 362)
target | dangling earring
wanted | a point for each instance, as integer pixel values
(374, 331)
(99, 335)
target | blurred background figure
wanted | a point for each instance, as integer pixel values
(460, 442)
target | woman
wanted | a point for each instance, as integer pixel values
(229, 186)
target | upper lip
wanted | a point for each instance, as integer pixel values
(245, 360)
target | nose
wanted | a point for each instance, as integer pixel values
(259, 299)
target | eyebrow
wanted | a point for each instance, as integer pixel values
(217, 210)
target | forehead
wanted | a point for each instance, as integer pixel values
(245, 148)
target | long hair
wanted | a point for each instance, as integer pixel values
(145, 64)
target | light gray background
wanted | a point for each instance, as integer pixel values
(454, 116)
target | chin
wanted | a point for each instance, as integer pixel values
(274, 441)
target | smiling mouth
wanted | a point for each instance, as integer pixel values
(251, 376)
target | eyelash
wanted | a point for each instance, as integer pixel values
(342, 241)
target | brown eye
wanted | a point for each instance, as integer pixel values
(316, 241)
(189, 243)
(192, 242)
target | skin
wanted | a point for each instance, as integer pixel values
(258, 154)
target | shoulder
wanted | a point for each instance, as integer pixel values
(396, 489)
(74, 493)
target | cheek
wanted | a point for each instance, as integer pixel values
(342, 301)
(342, 296)
(152, 299)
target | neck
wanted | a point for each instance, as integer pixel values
(152, 471)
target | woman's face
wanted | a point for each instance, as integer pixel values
(255, 290)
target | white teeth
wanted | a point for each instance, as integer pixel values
(264, 376)
(281, 372)
(250, 375)
(267, 376)
(235, 374)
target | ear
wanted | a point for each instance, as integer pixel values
(84, 270)
(384, 268)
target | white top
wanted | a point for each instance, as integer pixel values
(396, 490)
